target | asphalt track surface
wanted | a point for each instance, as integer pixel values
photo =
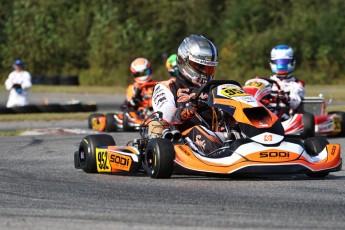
(40, 189)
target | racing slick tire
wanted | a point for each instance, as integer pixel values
(87, 151)
(126, 127)
(313, 146)
(93, 115)
(159, 158)
(342, 120)
(308, 125)
(110, 124)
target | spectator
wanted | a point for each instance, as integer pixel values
(18, 83)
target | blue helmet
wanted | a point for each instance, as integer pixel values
(282, 60)
(18, 62)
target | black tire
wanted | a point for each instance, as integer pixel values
(76, 160)
(92, 107)
(313, 146)
(93, 115)
(69, 80)
(51, 108)
(110, 123)
(4, 110)
(159, 158)
(26, 109)
(78, 107)
(308, 125)
(87, 150)
(342, 120)
(125, 126)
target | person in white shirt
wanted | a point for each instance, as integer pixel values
(18, 83)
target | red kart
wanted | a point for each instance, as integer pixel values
(309, 119)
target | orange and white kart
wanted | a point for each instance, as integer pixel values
(129, 119)
(260, 147)
(307, 120)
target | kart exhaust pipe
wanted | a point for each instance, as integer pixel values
(172, 135)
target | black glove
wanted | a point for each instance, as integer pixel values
(137, 93)
(17, 86)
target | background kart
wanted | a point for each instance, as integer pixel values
(309, 119)
(130, 118)
(259, 147)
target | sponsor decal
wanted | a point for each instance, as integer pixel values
(333, 150)
(274, 154)
(233, 92)
(183, 150)
(199, 142)
(337, 124)
(120, 162)
(86, 141)
(268, 137)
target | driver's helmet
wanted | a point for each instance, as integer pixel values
(197, 58)
(282, 61)
(141, 70)
(171, 65)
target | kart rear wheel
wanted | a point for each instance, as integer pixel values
(313, 146)
(159, 158)
(308, 125)
(93, 115)
(87, 150)
(342, 122)
(110, 124)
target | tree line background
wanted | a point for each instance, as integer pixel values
(97, 39)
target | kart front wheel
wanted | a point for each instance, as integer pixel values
(159, 158)
(87, 150)
(308, 125)
(110, 124)
(313, 146)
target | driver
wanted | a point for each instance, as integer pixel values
(196, 60)
(139, 96)
(282, 65)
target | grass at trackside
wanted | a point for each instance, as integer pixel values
(10, 133)
(43, 117)
(337, 91)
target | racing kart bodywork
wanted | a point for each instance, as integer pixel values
(260, 147)
(129, 119)
(307, 120)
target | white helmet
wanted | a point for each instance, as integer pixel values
(282, 60)
(141, 70)
(197, 59)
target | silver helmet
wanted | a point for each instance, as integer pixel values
(197, 58)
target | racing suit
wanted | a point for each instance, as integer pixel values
(138, 96)
(173, 98)
(18, 84)
(294, 91)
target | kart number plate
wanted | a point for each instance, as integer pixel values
(337, 124)
(233, 92)
(102, 160)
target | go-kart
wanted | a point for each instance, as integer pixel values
(308, 119)
(259, 146)
(129, 119)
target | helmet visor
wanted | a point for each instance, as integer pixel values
(203, 69)
(282, 61)
(142, 73)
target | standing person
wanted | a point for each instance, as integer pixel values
(196, 60)
(18, 83)
(282, 65)
(171, 65)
